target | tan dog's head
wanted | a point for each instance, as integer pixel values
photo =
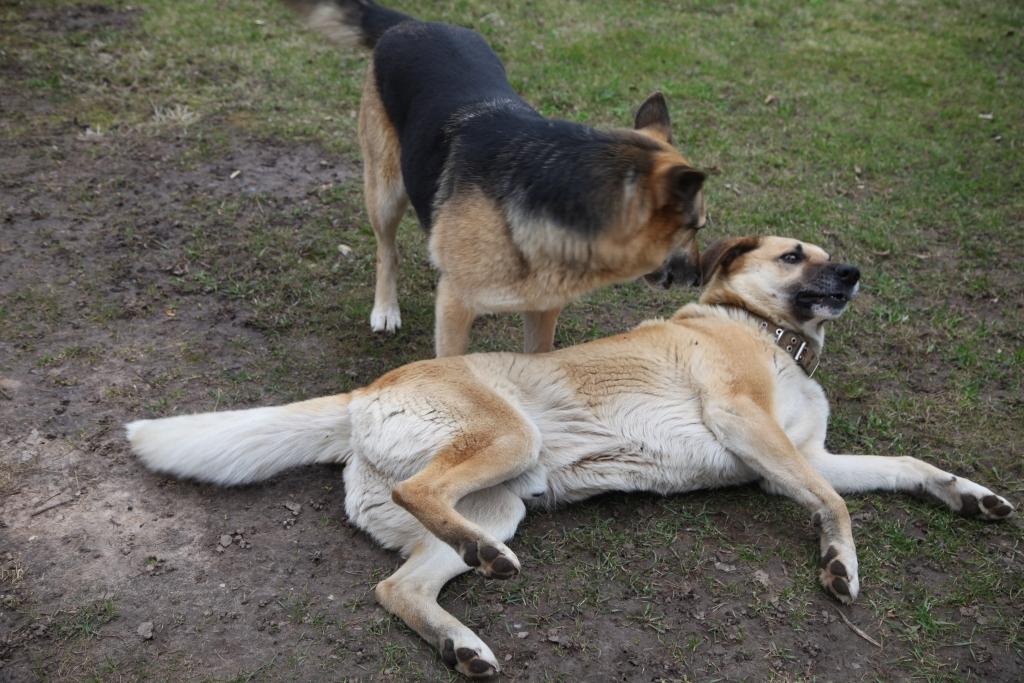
(782, 279)
(677, 199)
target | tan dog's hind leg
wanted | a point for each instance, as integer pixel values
(411, 592)
(539, 330)
(386, 201)
(453, 320)
(858, 473)
(754, 436)
(500, 450)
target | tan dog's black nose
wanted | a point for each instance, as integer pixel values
(848, 275)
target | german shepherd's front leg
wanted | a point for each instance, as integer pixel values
(452, 321)
(860, 473)
(539, 330)
(477, 460)
(752, 434)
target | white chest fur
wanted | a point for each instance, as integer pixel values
(800, 405)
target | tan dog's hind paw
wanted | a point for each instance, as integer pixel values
(839, 574)
(494, 561)
(468, 661)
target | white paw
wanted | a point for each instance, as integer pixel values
(386, 318)
(470, 656)
(838, 573)
(986, 505)
(971, 500)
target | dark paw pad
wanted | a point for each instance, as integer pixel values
(502, 568)
(995, 507)
(990, 507)
(468, 662)
(835, 577)
(470, 555)
(489, 561)
(448, 652)
(969, 505)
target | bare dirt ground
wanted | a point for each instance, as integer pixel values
(113, 573)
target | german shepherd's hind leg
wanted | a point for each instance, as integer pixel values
(386, 200)
(499, 451)
(859, 473)
(539, 330)
(753, 435)
(452, 321)
(411, 592)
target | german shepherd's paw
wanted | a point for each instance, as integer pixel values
(385, 319)
(493, 560)
(476, 662)
(839, 574)
(988, 507)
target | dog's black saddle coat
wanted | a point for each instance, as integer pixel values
(442, 87)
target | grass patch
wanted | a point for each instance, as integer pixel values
(85, 622)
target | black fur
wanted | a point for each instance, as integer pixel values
(560, 171)
(370, 19)
(447, 95)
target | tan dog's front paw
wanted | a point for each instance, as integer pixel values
(839, 574)
(988, 507)
(493, 561)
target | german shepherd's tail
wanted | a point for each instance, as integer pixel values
(245, 446)
(349, 21)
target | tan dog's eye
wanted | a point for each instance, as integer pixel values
(792, 257)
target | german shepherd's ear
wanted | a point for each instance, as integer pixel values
(684, 183)
(653, 116)
(721, 255)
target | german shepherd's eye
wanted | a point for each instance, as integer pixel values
(792, 257)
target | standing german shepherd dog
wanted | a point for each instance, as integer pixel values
(524, 213)
(441, 456)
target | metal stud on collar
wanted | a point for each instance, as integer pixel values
(779, 333)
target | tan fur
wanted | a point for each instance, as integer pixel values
(743, 282)
(487, 265)
(386, 200)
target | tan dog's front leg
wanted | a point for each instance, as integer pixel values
(453, 320)
(539, 330)
(753, 435)
(857, 473)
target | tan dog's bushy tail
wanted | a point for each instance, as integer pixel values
(347, 22)
(245, 446)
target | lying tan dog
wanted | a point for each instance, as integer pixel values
(443, 455)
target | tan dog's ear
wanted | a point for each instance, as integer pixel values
(721, 255)
(653, 116)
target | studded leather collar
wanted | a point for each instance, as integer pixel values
(793, 343)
